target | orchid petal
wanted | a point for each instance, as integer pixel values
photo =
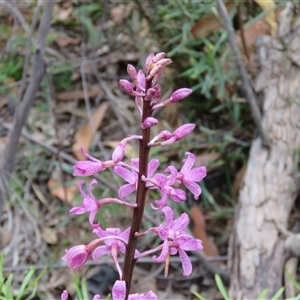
(125, 174)
(100, 251)
(186, 263)
(196, 174)
(189, 162)
(164, 253)
(126, 190)
(119, 290)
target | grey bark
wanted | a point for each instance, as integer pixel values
(258, 249)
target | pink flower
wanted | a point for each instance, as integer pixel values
(90, 167)
(115, 241)
(91, 205)
(165, 183)
(111, 244)
(131, 176)
(119, 293)
(189, 176)
(76, 256)
(175, 240)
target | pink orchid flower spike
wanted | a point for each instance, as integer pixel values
(189, 176)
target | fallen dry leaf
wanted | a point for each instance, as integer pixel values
(73, 95)
(85, 134)
(270, 17)
(206, 158)
(64, 14)
(254, 31)
(66, 41)
(64, 193)
(209, 24)
(49, 236)
(209, 247)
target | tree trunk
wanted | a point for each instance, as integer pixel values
(257, 251)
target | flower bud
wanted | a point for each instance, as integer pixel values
(159, 56)
(149, 62)
(150, 94)
(141, 81)
(132, 72)
(118, 153)
(149, 122)
(126, 86)
(183, 131)
(180, 94)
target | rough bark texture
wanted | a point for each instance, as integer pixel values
(257, 252)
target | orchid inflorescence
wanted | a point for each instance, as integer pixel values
(140, 176)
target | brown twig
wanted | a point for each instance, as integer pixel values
(61, 153)
(143, 260)
(250, 97)
(23, 109)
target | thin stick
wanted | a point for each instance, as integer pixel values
(17, 13)
(61, 153)
(23, 109)
(143, 260)
(250, 97)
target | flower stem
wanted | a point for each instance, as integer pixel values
(138, 211)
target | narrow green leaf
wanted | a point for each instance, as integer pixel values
(24, 286)
(292, 279)
(221, 287)
(263, 294)
(84, 290)
(78, 290)
(278, 294)
(198, 295)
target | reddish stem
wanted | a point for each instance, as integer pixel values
(141, 193)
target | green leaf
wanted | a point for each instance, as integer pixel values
(278, 294)
(24, 287)
(221, 287)
(262, 294)
(292, 279)
(84, 289)
(198, 295)
(78, 290)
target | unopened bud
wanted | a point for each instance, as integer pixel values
(132, 72)
(159, 56)
(126, 86)
(149, 122)
(141, 81)
(183, 131)
(118, 153)
(180, 94)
